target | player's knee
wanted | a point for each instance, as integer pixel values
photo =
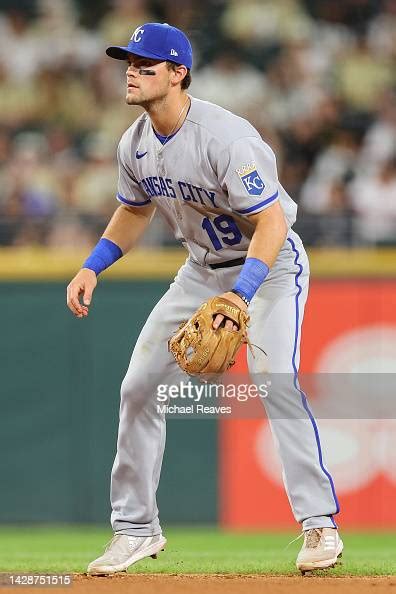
(136, 390)
(132, 388)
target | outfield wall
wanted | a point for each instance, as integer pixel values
(60, 382)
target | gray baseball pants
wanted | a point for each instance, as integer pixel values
(276, 314)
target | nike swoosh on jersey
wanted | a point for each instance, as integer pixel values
(140, 155)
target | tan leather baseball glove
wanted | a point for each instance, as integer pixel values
(199, 349)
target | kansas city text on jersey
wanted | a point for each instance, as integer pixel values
(159, 186)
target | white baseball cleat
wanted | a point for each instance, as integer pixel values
(321, 549)
(123, 550)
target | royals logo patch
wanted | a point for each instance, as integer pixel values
(251, 179)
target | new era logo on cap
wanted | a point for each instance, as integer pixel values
(158, 41)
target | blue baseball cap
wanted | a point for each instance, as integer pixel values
(158, 41)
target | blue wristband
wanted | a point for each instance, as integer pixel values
(252, 275)
(104, 254)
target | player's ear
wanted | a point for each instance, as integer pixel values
(177, 74)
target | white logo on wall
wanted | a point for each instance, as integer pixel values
(367, 349)
(356, 450)
(137, 35)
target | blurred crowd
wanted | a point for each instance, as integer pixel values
(316, 77)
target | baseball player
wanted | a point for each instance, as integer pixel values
(214, 180)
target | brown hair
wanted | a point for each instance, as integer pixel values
(186, 82)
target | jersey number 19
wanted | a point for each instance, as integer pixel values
(227, 229)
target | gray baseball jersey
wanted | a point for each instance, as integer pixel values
(206, 181)
(218, 163)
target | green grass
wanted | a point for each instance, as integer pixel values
(189, 550)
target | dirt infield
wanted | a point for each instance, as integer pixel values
(231, 584)
(221, 584)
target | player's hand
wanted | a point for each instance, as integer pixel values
(236, 300)
(82, 285)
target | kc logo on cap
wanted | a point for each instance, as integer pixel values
(137, 35)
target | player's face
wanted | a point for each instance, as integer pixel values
(143, 89)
